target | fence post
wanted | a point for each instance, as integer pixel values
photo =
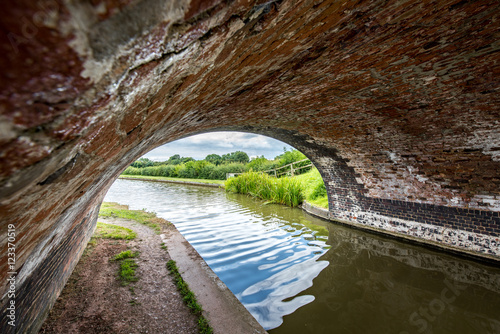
(291, 168)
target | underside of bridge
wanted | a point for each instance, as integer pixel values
(396, 103)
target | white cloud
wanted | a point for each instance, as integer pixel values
(231, 139)
(200, 146)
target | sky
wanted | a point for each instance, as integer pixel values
(199, 146)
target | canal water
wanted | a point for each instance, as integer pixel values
(299, 274)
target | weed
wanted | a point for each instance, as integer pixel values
(134, 302)
(128, 266)
(204, 326)
(127, 271)
(128, 254)
(189, 298)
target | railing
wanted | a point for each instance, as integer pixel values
(289, 169)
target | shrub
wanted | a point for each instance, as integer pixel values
(132, 171)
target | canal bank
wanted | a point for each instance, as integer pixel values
(207, 183)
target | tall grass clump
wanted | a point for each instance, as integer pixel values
(286, 190)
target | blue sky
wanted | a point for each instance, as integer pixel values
(199, 146)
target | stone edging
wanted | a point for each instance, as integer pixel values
(325, 214)
(213, 185)
(223, 310)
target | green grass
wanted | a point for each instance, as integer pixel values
(128, 254)
(285, 190)
(314, 188)
(291, 191)
(115, 210)
(109, 231)
(128, 266)
(175, 179)
(189, 298)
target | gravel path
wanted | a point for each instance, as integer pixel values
(93, 301)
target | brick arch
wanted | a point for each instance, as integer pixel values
(396, 102)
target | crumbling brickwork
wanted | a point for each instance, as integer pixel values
(396, 102)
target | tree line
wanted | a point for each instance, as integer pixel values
(213, 167)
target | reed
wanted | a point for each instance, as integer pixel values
(286, 190)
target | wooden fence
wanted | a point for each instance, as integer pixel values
(289, 169)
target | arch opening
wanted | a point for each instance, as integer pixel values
(264, 271)
(219, 155)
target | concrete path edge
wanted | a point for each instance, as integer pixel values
(223, 310)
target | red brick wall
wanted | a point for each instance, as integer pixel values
(396, 102)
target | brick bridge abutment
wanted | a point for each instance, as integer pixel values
(396, 102)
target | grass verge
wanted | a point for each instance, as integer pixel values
(108, 231)
(115, 210)
(189, 298)
(174, 179)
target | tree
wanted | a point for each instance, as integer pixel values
(186, 159)
(257, 164)
(214, 158)
(237, 156)
(290, 156)
(142, 162)
(174, 160)
(242, 157)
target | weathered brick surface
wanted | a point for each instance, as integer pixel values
(396, 102)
